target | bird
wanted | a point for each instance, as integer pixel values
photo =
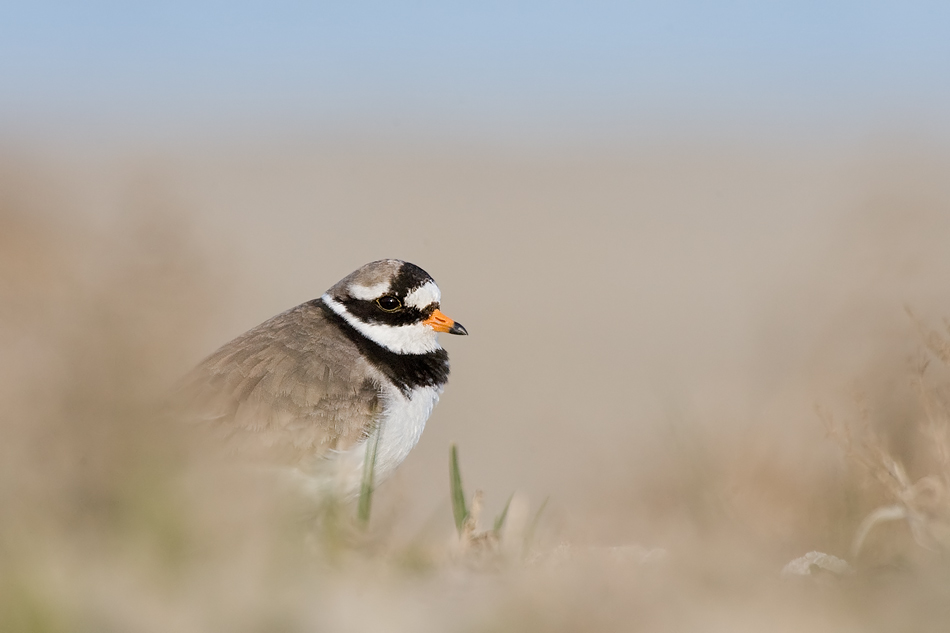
(313, 389)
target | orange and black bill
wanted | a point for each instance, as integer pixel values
(441, 323)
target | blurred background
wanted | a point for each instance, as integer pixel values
(673, 232)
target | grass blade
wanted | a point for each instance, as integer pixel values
(369, 472)
(459, 510)
(533, 525)
(500, 519)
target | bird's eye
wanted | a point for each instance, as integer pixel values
(389, 303)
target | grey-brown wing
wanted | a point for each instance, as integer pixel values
(292, 388)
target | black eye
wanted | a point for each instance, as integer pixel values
(389, 303)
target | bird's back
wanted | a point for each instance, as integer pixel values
(286, 392)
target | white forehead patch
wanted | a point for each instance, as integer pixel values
(368, 293)
(424, 295)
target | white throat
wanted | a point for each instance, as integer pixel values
(414, 338)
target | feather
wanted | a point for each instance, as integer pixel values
(277, 392)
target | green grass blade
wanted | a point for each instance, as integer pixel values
(533, 525)
(369, 472)
(500, 519)
(459, 509)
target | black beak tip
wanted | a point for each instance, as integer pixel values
(458, 328)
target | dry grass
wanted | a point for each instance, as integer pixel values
(108, 524)
(923, 503)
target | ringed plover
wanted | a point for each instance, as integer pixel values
(308, 388)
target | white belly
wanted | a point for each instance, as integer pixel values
(400, 428)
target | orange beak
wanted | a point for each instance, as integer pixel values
(441, 323)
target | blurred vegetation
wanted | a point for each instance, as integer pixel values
(110, 522)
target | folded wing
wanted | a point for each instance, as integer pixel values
(284, 392)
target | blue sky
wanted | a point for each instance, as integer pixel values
(480, 67)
